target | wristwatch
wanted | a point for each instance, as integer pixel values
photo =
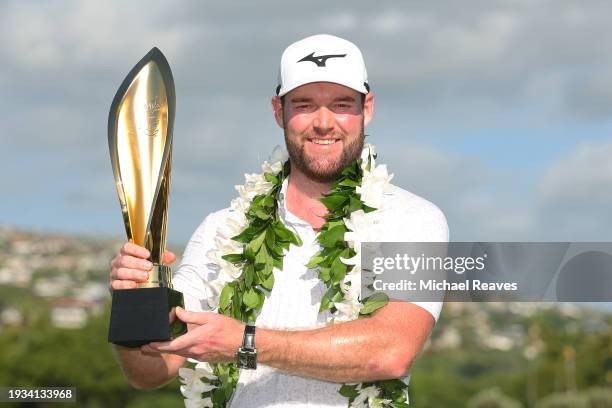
(247, 354)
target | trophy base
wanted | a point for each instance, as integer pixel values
(140, 316)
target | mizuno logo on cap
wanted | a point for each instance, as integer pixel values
(320, 60)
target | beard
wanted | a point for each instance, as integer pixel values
(324, 170)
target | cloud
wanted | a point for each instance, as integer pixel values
(574, 196)
(567, 200)
(480, 202)
(590, 96)
(446, 65)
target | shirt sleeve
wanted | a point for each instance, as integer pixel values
(194, 269)
(436, 231)
(410, 218)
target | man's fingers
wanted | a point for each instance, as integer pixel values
(171, 346)
(129, 274)
(169, 257)
(129, 248)
(134, 263)
(123, 284)
(129, 267)
(191, 317)
(148, 349)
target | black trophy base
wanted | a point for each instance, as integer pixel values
(140, 316)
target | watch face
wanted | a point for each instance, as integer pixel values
(247, 359)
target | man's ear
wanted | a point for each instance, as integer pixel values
(277, 108)
(368, 108)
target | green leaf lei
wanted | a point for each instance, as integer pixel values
(265, 240)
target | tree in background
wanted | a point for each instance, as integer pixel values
(493, 398)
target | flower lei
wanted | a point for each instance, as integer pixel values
(253, 241)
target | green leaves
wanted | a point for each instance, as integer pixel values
(233, 258)
(227, 378)
(249, 275)
(373, 303)
(271, 178)
(315, 260)
(333, 294)
(226, 296)
(338, 270)
(333, 202)
(251, 299)
(268, 283)
(348, 391)
(284, 234)
(266, 239)
(255, 244)
(332, 237)
(248, 234)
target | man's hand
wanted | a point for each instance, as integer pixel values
(212, 337)
(379, 347)
(131, 266)
(143, 371)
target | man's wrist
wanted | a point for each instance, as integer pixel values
(246, 355)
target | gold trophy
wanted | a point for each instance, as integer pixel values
(140, 124)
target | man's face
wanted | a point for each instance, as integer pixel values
(323, 124)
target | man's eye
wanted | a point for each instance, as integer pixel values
(302, 106)
(343, 106)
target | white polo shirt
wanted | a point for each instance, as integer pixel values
(294, 301)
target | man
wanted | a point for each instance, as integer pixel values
(323, 103)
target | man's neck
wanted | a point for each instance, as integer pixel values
(303, 196)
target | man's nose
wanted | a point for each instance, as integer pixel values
(324, 120)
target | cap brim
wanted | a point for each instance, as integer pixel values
(286, 88)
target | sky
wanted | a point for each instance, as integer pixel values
(499, 112)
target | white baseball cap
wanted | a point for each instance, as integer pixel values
(322, 58)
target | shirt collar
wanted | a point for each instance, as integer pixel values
(288, 217)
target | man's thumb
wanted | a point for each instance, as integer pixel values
(190, 317)
(169, 257)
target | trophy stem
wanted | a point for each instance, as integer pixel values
(159, 277)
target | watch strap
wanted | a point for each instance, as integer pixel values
(248, 341)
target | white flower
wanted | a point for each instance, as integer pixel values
(273, 168)
(359, 226)
(367, 156)
(204, 369)
(370, 394)
(355, 262)
(198, 403)
(279, 154)
(366, 394)
(347, 310)
(256, 184)
(233, 225)
(278, 157)
(213, 289)
(193, 387)
(231, 270)
(351, 284)
(380, 403)
(240, 206)
(373, 186)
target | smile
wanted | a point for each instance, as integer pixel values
(323, 141)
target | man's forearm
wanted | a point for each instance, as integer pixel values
(374, 348)
(147, 370)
